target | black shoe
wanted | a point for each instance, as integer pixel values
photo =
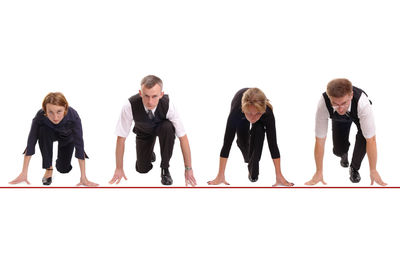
(344, 162)
(46, 181)
(153, 157)
(166, 178)
(354, 175)
(253, 178)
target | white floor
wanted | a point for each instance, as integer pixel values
(97, 52)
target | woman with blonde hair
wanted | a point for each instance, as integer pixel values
(250, 105)
(55, 121)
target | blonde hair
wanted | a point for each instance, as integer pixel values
(255, 97)
(57, 99)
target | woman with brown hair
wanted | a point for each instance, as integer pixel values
(250, 105)
(56, 121)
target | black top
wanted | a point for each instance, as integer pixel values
(236, 115)
(143, 124)
(69, 129)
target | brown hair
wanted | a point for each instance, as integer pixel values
(57, 99)
(150, 81)
(255, 97)
(339, 88)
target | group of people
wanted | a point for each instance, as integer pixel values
(251, 118)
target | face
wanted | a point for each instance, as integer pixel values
(341, 104)
(55, 113)
(252, 114)
(152, 96)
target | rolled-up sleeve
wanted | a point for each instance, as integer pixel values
(366, 116)
(174, 118)
(321, 119)
(125, 120)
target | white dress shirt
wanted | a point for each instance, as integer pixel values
(126, 118)
(364, 111)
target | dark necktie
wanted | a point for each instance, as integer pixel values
(150, 115)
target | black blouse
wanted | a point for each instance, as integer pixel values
(236, 115)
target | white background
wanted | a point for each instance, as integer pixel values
(96, 53)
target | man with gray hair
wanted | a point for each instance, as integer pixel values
(154, 116)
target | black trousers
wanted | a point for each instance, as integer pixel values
(341, 144)
(145, 146)
(250, 143)
(65, 149)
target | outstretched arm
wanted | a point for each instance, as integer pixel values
(84, 181)
(189, 177)
(372, 158)
(319, 158)
(220, 179)
(230, 132)
(119, 160)
(29, 151)
(280, 180)
(23, 177)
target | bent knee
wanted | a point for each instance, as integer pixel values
(167, 126)
(143, 169)
(63, 169)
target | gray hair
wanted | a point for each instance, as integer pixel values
(150, 81)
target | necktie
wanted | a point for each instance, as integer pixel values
(150, 115)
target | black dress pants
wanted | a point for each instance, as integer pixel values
(341, 144)
(250, 143)
(145, 146)
(65, 149)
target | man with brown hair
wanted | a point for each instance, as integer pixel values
(345, 104)
(154, 116)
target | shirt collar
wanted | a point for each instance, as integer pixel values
(147, 110)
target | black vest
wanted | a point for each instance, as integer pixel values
(143, 125)
(353, 115)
